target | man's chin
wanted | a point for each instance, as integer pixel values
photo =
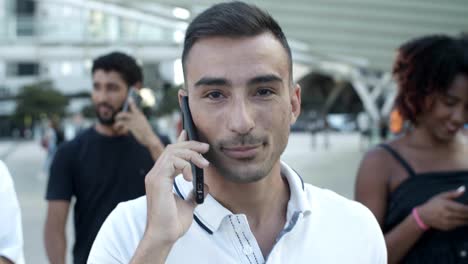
(106, 121)
(246, 173)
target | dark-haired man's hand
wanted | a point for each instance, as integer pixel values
(134, 121)
(169, 216)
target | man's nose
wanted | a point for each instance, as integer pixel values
(241, 117)
(100, 95)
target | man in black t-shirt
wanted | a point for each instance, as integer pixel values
(105, 164)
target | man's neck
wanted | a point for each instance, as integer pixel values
(105, 130)
(257, 199)
(260, 201)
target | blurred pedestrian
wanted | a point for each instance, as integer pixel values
(105, 164)
(365, 132)
(383, 128)
(416, 184)
(53, 137)
(11, 232)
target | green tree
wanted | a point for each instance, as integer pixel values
(38, 100)
(169, 101)
(89, 111)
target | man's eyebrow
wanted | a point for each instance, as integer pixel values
(265, 79)
(212, 81)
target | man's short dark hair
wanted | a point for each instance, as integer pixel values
(233, 19)
(121, 63)
(425, 67)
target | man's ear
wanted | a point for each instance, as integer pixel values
(295, 103)
(181, 93)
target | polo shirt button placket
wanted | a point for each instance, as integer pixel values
(248, 250)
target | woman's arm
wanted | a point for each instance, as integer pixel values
(372, 191)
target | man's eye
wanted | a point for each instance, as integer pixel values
(264, 92)
(215, 95)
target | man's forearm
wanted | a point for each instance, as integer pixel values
(150, 251)
(155, 147)
(56, 245)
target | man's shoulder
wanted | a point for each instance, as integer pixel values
(350, 221)
(6, 183)
(77, 142)
(135, 207)
(120, 234)
(331, 203)
(128, 219)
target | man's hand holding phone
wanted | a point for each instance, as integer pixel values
(134, 121)
(168, 215)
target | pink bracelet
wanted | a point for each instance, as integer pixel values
(418, 220)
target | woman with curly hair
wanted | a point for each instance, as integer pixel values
(415, 184)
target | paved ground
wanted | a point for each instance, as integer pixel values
(333, 168)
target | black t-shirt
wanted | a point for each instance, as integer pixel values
(100, 171)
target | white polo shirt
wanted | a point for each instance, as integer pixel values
(11, 232)
(321, 227)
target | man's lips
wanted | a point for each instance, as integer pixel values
(241, 152)
(105, 109)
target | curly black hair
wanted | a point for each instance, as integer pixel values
(425, 67)
(122, 63)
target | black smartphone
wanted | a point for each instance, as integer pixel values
(132, 93)
(197, 173)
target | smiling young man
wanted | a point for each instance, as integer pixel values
(237, 67)
(104, 165)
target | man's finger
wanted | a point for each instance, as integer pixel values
(199, 147)
(120, 127)
(183, 166)
(192, 156)
(132, 106)
(182, 137)
(122, 116)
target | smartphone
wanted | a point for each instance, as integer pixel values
(197, 173)
(132, 93)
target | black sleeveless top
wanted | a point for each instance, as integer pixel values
(447, 247)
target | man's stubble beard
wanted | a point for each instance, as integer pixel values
(107, 121)
(252, 171)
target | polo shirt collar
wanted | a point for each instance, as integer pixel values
(211, 213)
